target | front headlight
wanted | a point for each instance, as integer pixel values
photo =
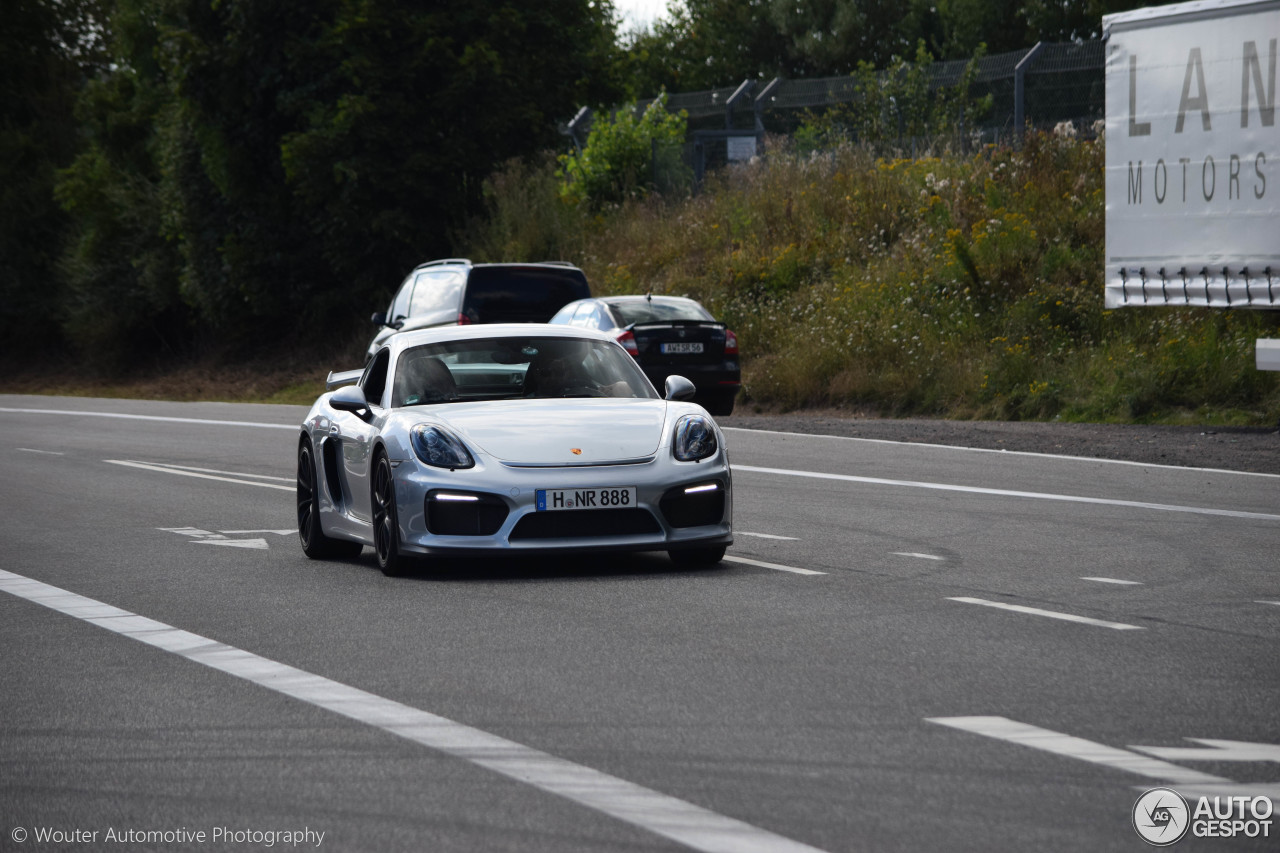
(436, 447)
(694, 439)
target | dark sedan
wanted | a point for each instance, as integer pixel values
(668, 335)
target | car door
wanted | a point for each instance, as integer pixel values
(353, 434)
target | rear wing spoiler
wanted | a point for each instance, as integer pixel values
(342, 377)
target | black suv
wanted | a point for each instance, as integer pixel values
(456, 291)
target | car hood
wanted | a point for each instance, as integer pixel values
(559, 432)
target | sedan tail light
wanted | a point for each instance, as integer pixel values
(628, 342)
(730, 343)
(464, 320)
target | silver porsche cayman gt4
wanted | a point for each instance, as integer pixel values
(506, 440)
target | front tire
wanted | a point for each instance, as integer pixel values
(315, 544)
(386, 525)
(697, 557)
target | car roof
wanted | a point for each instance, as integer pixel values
(466, 262)
(636, 297)
(438, 334)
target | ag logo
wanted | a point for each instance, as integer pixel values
(1161, 817)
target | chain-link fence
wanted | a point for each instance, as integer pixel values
(1042, 86)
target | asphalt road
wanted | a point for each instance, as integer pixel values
(885, 697)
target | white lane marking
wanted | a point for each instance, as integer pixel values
(1113, 580)
(978, 490)
(765, 535)
(1276, 603)
(1218, 750)
(999, 452)
(1002, 728)
(216, 471)
(192, 531)
(918, 556)
(44, 452)
(1052, 614)
(289, 532)
(254, 544)
(294, 428)
(777, 568)
(680, 821)
(146, 466)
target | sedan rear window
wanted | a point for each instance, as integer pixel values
(658, 311)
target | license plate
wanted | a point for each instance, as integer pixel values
(689, 348)
(610, 497)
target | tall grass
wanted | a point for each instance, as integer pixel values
(966, 286)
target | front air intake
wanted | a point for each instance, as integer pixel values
(694, 505)
(452, 513)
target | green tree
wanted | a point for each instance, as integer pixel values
(46, 50)
(617, 161)
(704, 44)
(420, 105)
(257, 170)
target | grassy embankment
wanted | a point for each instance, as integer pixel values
(960, 286)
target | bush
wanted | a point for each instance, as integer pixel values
(618, 159)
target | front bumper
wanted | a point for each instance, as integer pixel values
(491, 509)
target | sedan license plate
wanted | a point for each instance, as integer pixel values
(688, 348)
(610, 497)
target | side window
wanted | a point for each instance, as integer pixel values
(613, 319)
(400, 305)
(437, 291)
(587, 316)
(374, 381)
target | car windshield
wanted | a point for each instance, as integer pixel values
(501, 368)
(658, 310)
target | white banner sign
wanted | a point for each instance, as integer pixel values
(1193, 164)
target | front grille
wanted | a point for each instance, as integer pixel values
(583, 523)
(480, 517)
(693, 510)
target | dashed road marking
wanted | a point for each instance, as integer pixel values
(277, 532)
(176, 468)
(765, 535)
(1113, 580)
(763, 565)
(918, 556)
(1051, 614)
(1003, 728)
(667, 816)
(165, 469)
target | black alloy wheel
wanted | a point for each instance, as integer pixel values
(386, 527)
(314, 543)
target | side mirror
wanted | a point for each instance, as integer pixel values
(379, 319)
(678, 388)
(349, 398)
